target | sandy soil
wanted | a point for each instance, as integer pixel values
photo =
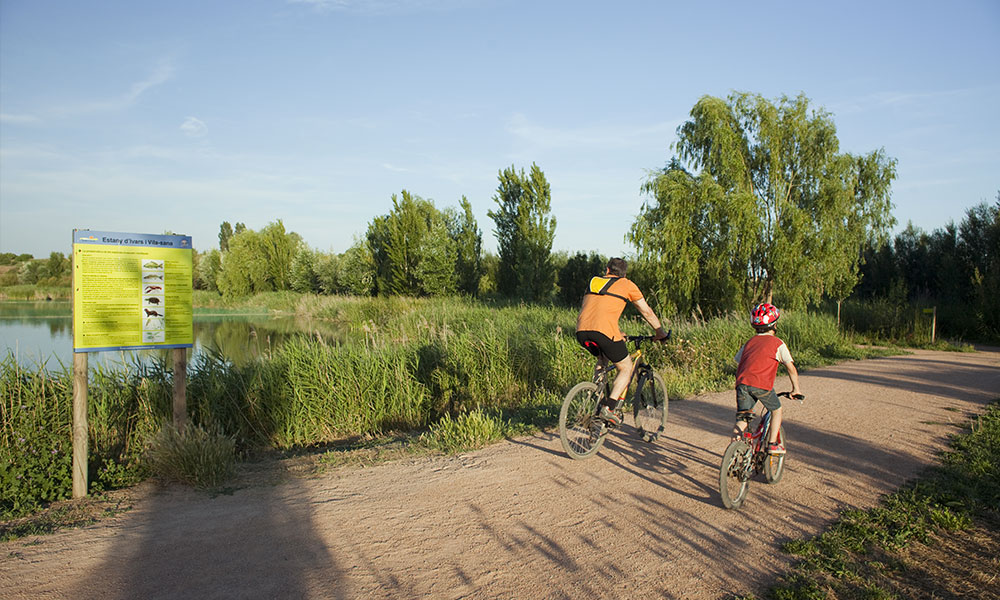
(520, 519)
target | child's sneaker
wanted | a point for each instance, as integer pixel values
(776, 449)
(610, 417)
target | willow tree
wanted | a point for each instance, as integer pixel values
(775, 206)
(258, 261)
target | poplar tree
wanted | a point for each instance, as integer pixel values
(524, 232)
(468, 239)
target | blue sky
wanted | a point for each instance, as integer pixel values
(176, 116)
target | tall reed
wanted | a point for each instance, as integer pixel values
(401, 364)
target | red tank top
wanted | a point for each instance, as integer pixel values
(759, 363)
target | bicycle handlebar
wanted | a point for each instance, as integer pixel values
(800, 397)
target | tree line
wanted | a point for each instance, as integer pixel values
(756, 203)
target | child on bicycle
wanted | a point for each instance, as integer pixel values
(597, 327)
(758, 362)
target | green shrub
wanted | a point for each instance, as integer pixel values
(197, 457)
(34, 470)
(468, 431)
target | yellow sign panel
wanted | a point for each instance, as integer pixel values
(131, 291)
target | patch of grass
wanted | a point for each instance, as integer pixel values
(66, 514)
(369, 452)
(196, 456)
(904, 548)
(468, 431)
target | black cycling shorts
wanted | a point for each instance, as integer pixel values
(598, 343)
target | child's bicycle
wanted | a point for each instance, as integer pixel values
(582, 431)
(748, 456)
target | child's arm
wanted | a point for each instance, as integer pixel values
(793, 374)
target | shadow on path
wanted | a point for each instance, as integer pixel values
(184, 544)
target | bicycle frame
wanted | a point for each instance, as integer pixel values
(757, 440)
(748, 456)
(582, 430)
(640, 368)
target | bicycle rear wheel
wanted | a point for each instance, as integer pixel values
(774, 464)
(580, 431)
(649, 406)
(734, 474)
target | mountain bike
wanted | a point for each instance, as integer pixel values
(582, 431)
(748, 456)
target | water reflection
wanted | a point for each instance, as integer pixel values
(42, 332)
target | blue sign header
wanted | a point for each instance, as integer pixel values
(113, 238)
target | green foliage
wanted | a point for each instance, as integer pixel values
(775, 209)
(468, 431)
(464, 230)
(305, 277)
(400, 364)
(525, 231)
(207, 270)
(258, 261)
(575, 275)
(34, 470)
(692, 239)
(35, 436)
(356, 271)
(955, 269)
(35, 441)
(436, 270)
(196, 456)
(412, 250)
(225, 233)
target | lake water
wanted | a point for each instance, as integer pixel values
(42, 332)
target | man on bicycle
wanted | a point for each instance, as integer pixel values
(597, 327)
(758, 362)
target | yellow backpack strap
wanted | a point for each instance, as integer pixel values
(600, 286)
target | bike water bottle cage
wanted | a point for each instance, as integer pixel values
(599, 286)
(744, 415)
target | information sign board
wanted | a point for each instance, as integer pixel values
(131, 291)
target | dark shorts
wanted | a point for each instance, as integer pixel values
(598, 343)
(747, 396)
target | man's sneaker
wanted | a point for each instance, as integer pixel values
(610, 417)
(775, 449)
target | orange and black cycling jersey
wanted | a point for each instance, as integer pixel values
(603, 304)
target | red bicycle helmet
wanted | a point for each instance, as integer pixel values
(764, 315)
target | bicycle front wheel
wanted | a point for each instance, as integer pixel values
(774, 464)
(649, 407)
(580, 431)
(734, 474)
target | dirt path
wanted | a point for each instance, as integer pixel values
(520, 520)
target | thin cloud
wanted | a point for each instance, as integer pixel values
(163, 73)
(194, 127)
